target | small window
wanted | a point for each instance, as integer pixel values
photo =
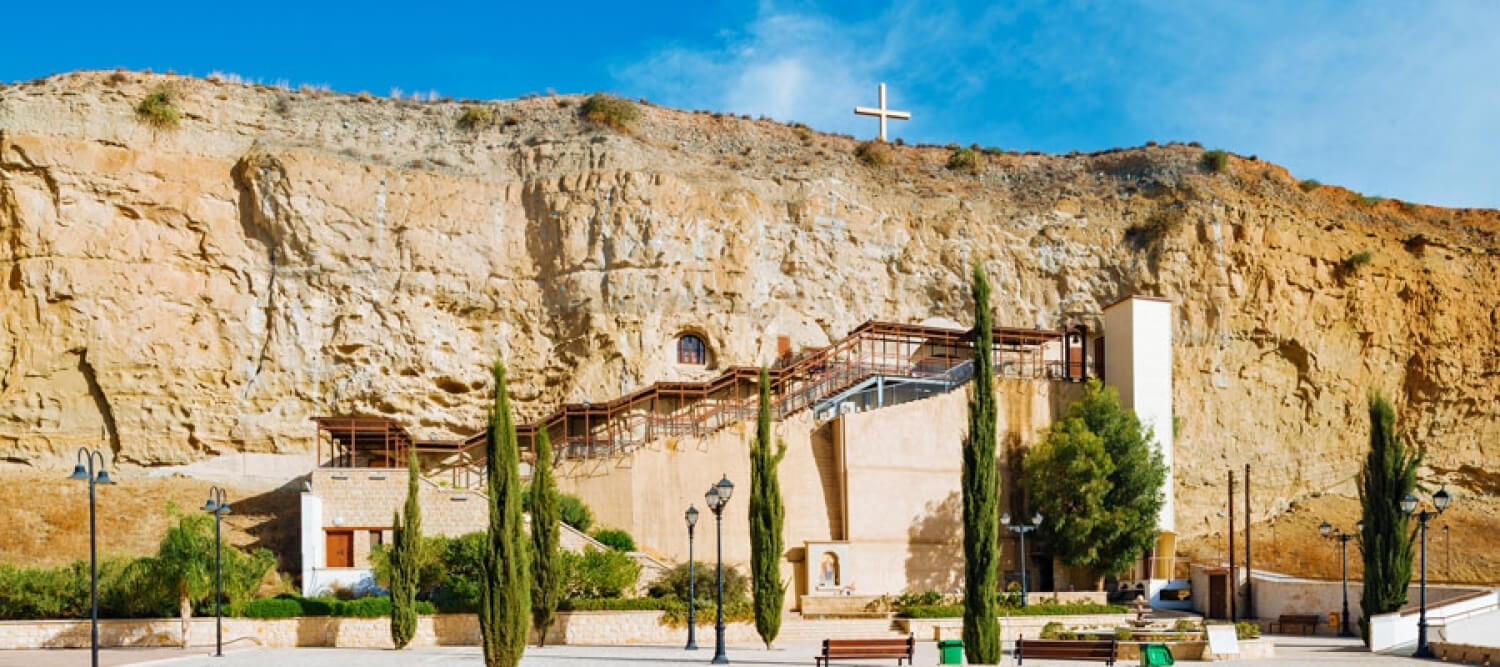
(377, 538)
(692, 350)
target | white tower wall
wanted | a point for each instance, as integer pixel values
(1138, 362)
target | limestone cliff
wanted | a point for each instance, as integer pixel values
(174, 294)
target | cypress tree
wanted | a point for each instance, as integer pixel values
(1385, 542)
(546, 577)
(981, 492)
(505, 597)
(406, 562)
(766, 516)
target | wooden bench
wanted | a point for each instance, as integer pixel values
(863, 649)
(1309, 622)
(1091, 650)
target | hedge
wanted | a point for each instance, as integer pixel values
(290, 606)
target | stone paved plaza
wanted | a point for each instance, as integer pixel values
(1289, 650)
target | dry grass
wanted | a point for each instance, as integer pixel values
(1290, 543)
(45, 517)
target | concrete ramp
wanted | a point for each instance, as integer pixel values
(1473, 618)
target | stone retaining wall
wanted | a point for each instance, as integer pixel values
(1468, 654)
(578, 628)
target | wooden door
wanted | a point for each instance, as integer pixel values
(1075, 357)
(340, 548)
(1218, 585)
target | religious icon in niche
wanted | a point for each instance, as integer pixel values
(692, 350)
(828, 571)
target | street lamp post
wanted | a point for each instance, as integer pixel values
(218, 504)
(717, 497)
(692, 520)
(1440, 500)
(84, 469)
(1329, 532)
(1022, 529)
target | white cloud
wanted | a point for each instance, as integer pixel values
(1399, 100)
(786, 65)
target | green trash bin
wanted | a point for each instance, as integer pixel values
(1154, 655)
(951, 652)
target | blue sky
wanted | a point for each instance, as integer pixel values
(1399, 99)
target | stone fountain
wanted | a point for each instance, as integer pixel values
(1140, 608)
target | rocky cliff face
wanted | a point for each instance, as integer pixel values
(175, 294)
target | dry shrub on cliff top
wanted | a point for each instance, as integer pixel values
(476, 118)
(966, 159)
(1309, 185)
(159, 109)
(608, 110)
(1215, 161)
(873, 153)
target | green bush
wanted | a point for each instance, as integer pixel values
(966, 159)
(267, 608)
(615, 538)
(674, 583)
(1052, 629)
(933, 611)
(1356, 260)
(1123, 634)
(449, 575)
(1186, 625)
(53, 592)
(1246, 630)
(873, 153)
(735, 610)
(597, 574)
(476, 118)
(1309, 185)
(608, 110)
(574, 512)
(1215, 161)
(612, 604)
(1370, 200)
(289, 606)
(159, 109)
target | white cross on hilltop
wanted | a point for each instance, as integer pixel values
(882, 112)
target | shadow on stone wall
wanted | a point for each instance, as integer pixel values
(935, 549)
(275, 518)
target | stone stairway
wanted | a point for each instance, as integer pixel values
(796, 628)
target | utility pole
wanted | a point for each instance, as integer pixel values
(1249, 573)
(1234, 582)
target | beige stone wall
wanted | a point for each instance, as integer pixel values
(900, 510)
(582, 628)
(904, 497)
(369, 497)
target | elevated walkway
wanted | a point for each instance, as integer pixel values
(877, 364)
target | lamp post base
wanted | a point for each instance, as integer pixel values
(719, 657)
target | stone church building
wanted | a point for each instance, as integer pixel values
(873, 425)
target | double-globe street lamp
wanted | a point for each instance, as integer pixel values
(717, 497)
(1329, 532)
(1440, 500)
(692, 520)
(1022, 529)
(218, 504)
(85, 470)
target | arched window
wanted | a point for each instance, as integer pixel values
(692, 350)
